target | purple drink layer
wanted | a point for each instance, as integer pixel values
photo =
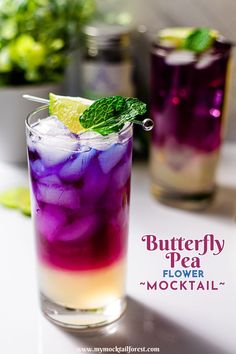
(80, 201)
(188, 94)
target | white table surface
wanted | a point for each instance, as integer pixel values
(177, 322)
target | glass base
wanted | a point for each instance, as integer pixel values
(193, 201)
(82, 319)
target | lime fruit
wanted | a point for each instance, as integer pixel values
(176, 36)
(68, 110)
(17, 198)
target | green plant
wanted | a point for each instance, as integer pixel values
(36, 37)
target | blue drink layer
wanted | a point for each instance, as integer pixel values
(81, 203)
(187, 98)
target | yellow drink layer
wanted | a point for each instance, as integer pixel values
(83, 289)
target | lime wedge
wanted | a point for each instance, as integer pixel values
(17, 198)
(176, 36)
(68, 110)
(24, 201)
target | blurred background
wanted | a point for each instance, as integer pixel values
(150, 16)
(44, 46)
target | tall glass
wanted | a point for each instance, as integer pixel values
(188, 94)
(80, 191)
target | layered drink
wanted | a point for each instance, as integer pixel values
(80, 207)
(188, 94)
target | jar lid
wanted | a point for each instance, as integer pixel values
(106, 35)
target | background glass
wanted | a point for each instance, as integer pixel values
(188, 94)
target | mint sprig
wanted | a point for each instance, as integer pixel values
(199, 40)
(109, 114)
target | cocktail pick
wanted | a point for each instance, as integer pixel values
(147, 124)
(36, 99)
(46, 101)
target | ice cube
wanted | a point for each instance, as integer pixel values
(51, 126)
(54, 150)
(121, 175)
(79, 230)
(97, 141)
(89, 135)
(95, 183)
(51, 180)
(180, 57)
(111, 157)
(49, 221)
(73, 170)
(58, 195)
(38, 169)
(205, 61)
(54, 143)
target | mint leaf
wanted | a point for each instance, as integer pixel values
(199, 40)
(108, 115)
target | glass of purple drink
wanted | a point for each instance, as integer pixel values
(188, 93)
(80, 189)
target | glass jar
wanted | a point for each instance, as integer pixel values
(107, 61)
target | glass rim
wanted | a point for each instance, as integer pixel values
(31, 129)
